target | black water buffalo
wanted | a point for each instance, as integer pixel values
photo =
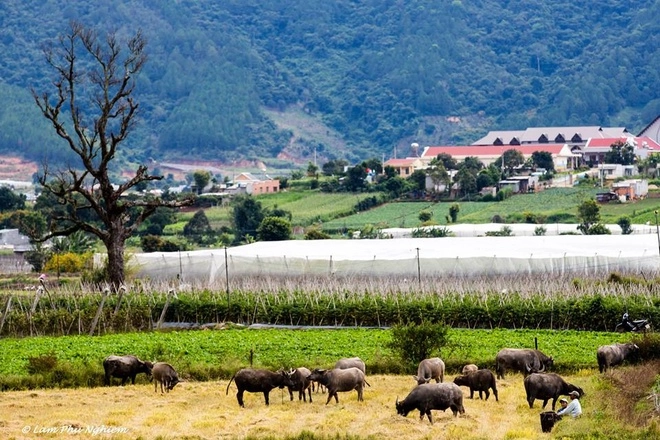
(165, 375)
(469, 368)
(433, 368)
(523, 360)
(432, 396)
(337, 380)
(480, 380)
(546, 386)
(258, 381)
(354, 362)
(611, 355)
(301, 383)
(124, 367)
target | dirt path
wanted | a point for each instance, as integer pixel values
(203, 410)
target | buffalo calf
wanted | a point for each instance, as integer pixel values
(480, 380)
(165, 375)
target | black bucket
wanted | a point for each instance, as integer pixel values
(548, 420)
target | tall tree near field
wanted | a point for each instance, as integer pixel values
(247, 214)
(543, 159)
(201, 179)
(588, 215)
(92, 109)
(621, 153)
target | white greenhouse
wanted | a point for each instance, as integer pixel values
(410, 257)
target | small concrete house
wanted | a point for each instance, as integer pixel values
(632, 189)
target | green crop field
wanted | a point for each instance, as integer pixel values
(276, 348)
(554, 205)
(306, 207)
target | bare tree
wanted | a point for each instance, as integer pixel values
(93, 110)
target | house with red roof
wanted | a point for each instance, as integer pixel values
(562, 156)
(595, 149)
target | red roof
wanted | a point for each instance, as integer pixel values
(491, 150)
(607, 142)
(399, 162)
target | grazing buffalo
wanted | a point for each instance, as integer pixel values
(124, 367)
(301, 383)
(165, 375)
(546, 386)
(354, 362)
(426, 397)
(480, 380)
(469, 368)
(611, 355)
(336, 380)
(433, 368)
(523, 360)
(258, 381)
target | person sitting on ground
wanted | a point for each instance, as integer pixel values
(574, 408)
(564, 403)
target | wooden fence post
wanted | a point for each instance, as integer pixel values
(4, 315)
(106, 292)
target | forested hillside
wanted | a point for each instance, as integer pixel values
(375, 74)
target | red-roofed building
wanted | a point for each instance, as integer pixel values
(595, 149)
(562, 156)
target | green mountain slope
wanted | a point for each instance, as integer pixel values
(376, 74)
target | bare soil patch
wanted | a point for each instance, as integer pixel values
(16, 168)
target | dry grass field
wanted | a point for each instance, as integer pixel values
(202, 410)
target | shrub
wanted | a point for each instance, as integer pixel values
(625, 225)
(431, 232)
(316, 234)
(453, 212)
(540, 230)
(425, 216)
(42, 364)
(505, 231)
(274, 229)
(415, 342)
(67, 262)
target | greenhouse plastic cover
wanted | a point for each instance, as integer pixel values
(410, 257)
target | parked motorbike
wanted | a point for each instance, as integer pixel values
(626, 325)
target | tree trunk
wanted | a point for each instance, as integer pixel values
(115, 247)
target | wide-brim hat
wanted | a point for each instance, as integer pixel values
(563, 400)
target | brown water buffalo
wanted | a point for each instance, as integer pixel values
(469, 368)
(165, 375)
(611, 355)
(125, 367)
(301, 383)
(354, 362)
(337, 380)
(433, 368)
(480, 380)
(432, 396)
(546, 386)
(524, 360)
(258, 381)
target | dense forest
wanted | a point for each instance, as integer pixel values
(375, 75)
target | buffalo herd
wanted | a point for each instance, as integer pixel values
(348, 374)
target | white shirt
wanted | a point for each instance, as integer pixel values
(573, 409)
